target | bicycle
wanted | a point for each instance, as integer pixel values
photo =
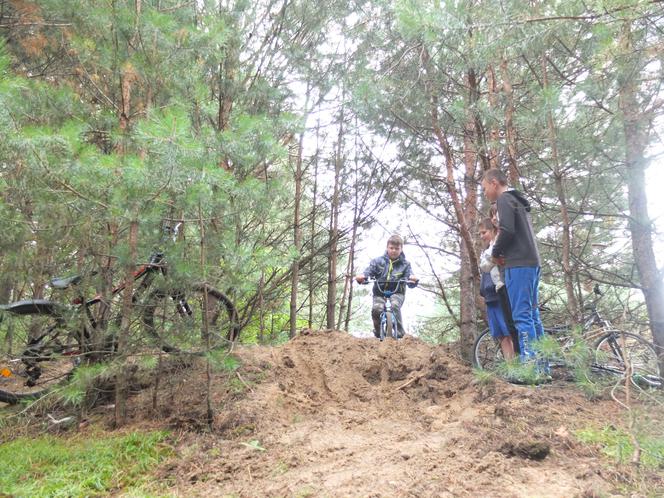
(46, 340)
(389, 327)
(614, 351)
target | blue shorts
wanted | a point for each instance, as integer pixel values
(496, 319)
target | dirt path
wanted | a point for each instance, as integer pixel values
(331, 415)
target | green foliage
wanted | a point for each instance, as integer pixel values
(222, 361)
(80, 465)
(619, 446)
(522, 373)
(83, 379)
(484, 377)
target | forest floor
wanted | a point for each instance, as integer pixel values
(328, 414)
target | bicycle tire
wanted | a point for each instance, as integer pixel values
(172, 329)
(388, 327)
(395, 328)
(19, 358)
(610, 357)
(486, 352)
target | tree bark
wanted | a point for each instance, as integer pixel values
(558, 176)
(125, 327)
(510, 129)
(334, 225)
(636, 125)
(469, 275)
(297, 239)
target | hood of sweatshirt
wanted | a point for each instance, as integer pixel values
(519, 197)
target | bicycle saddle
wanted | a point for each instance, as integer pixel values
(63, 283)
(33, 306)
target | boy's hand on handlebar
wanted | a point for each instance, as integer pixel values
(413, 281)
(361, 279)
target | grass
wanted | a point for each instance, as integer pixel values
(523, 373)
(617, 445)
(80, 465)
(484, 377)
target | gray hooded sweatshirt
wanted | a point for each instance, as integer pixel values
(516, 238)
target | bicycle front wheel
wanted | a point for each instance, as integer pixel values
(36, 354)
(388, 326)
(616, 351)
(486, 352)
(202, 320)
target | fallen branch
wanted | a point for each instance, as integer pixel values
(406, 384)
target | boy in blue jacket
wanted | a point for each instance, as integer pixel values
(388, 269)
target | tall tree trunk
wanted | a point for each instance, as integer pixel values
(470, 270)
(125, 328)
(353, 242)
(494, 134)
(297, 229)
(261, 309)
(334, 225)
(206, 330)
(558, 176)
(636, 124)
(469, 276)
(510, 129)
(312, 236)
(297, 239)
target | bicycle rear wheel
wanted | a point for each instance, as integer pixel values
(486, 352)
(615, 350)
(36, 354)
(190, 324)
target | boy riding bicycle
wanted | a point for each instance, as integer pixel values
(387, 271)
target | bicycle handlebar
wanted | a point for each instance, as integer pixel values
(409, 283)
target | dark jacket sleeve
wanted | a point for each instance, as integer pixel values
(407, 271)
(506, 217)
(372, 270)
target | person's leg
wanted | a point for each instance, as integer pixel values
(507, 347)
(507, 314)
(539, 328)
(520, 283)
(498, 328)
(376, 310)
(543, 364)
(397, 302)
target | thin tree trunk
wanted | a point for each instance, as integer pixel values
(312, 237)
(469, 276)
(448, 155)
(125, 328)
(334, 224)
(558, 175)
(636, 124)
(510, 129)
(297, 229)
(353, 243)
(261, 309)
(206, 331)
(494, 134)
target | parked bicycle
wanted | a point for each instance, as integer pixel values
(388, 320)
(613, 350)
(43, 341)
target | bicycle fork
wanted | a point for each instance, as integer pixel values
(388, 314)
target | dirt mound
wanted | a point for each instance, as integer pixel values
(331, 415)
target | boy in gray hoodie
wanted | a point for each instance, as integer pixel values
(516, 250)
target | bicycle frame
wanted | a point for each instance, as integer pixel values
(387, 305)
(387, 312)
